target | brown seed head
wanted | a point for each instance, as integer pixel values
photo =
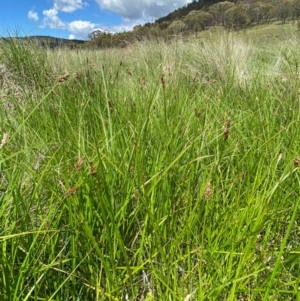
(135, 194)
(79, 163)
(71, 191)
(92, 169)
(63, 78)
(129, 72)
(226, 129)
(134, 107)
(169, 71)
(4, 140)
(110, 73)
(297, 162)
(195, 77)
(219, 93)
(197, 113)
(279, 158)
(208, 191)
(162, 80)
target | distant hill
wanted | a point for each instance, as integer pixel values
(48, 41)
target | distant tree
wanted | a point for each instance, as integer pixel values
(142, 32)
(236, 17)
(259, 12)
(218, 10)
(155, 32)
(124, 39)
(284, 10)
(255, 13)
(267, 11)
(176, 27)
(164, 25)
(183, 11)
(198, 20)
(192, 14)
(96, 34)
(137, 28)
(246, 4)
(101, 39)
(296, 6)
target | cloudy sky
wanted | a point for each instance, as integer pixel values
(77, 18)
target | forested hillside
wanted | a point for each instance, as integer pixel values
(201, 15)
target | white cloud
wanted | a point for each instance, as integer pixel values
(68, 6)
(52, 20)
(32, 15)
(146, 9)
(133, 12)
(76, 28)
(81, 28)
(72, 37)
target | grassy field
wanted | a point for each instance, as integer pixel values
(258, 33)
(155, 172)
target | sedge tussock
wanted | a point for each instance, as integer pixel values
(227, 57)
(146, 231)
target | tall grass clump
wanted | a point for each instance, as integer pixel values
(223, 57)
(26, 60)
(153, 172)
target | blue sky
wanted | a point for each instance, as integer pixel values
(77, 18)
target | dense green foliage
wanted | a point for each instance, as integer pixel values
(155, 172)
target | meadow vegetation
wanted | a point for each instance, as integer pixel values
(160, 171)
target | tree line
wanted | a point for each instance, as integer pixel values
(198, 16)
